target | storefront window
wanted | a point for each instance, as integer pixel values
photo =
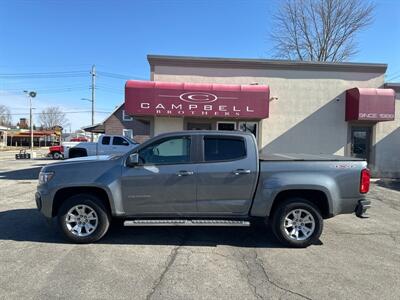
(226, 125)
(248, 127)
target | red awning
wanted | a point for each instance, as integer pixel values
(152, 98)
(369, 104)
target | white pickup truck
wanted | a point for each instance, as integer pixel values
(106, 144)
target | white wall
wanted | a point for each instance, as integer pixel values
(167, 124)
(387, 146)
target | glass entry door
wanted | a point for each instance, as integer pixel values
(361, 142)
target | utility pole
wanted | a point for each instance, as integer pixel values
(31, 124)
(93, 94)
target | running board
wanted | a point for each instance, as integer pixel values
(186, 223)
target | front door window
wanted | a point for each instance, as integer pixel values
(169, 151)
(360, 142)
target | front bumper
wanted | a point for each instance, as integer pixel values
(38, 199)
(44, 203)
(362, 207)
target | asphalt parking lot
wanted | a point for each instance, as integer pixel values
(356, 258)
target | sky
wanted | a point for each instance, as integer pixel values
(47, 36)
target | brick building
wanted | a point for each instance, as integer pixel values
(119, 123)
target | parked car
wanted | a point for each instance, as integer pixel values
(107, 144)
(202, 178)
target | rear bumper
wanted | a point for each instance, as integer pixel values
(362, 207)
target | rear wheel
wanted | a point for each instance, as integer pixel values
(57, 155)
(297, 222)
(83, 219)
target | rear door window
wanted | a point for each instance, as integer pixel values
(223, 148)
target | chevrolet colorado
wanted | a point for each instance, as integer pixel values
(202, 178)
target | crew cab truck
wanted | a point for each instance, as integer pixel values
(202, 178)
(106, 144)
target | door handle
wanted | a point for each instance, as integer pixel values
(241, 171)
(185, 173)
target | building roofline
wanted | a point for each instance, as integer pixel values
(248, 63)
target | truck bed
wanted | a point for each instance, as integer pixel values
(305, 157)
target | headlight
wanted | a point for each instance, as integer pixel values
(45, 177)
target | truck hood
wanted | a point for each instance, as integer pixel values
(83, 160)
(85, 171)
(92, 158)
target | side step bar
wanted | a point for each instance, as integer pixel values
(180, 222)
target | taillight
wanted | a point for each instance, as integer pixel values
(62, 149)
(364, 182)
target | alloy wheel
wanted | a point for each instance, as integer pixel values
(81, 220)
(299, 224)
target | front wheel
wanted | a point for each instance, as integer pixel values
(297, 223)
(83, 219)
(57, 155)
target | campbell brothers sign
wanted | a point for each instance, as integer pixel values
(152, 98)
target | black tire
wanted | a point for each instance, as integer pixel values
(90, 202)
(73, 153)
(278, 222)
(57, 155)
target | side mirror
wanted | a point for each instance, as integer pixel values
(133, 160)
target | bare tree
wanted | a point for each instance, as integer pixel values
(52, 116)
(5, 116)
(320, 30)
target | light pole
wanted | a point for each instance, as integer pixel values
(31, 95)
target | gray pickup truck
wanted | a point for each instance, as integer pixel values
(202, 178)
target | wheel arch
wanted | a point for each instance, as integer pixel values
(318, 197)
(74, 150)
(64, 193)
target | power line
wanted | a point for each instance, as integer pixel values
(48, 88)
(60, 113)
(64, 74)
(119, 76)
(56, 91)
(393, 75)
(34, 75)
(392, 78)
(110, 89)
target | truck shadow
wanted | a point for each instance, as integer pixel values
(27, 225)
(22, 174)
(389, 183)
